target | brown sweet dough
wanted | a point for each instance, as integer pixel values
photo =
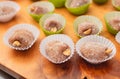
(87, 28)
(4, 10)
(21, 38)
(52, 25)
(57, 51)
(77, 3)
(115, 23)
(95, 51)
(38, 10)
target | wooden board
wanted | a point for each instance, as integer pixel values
(32, 65)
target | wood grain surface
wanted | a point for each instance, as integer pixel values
(32, 65)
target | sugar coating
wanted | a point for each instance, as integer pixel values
(55, 49)
(94, 51)
(51, 22)
(4, 10)
(38, 10)
(115, 23)
(24, 37)
(82, 27)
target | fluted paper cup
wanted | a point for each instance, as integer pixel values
(48, 5)
(87, 18)
(114, 3)
(28, 27)
(57, 37)
(57, 17)
(99, 39)
(77, 10)
(108, 17)
(9, 16)
(117, 37)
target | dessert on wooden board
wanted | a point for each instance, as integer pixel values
(95, 49)
(57, 48)
(58, 51)
(21, 36)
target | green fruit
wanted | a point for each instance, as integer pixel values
(59, 17)
(77, 10)
(58, 3)
(100, 1)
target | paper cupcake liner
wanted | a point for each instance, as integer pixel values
(109, 16)
(28, 27)
(117, 37)
(99, 39)
(58, 3)
(100, 1)
(87, 18)
(57, 17)
(57, 37)
(78, 10)
(114, 5)
(8, 17)
(50, 7)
